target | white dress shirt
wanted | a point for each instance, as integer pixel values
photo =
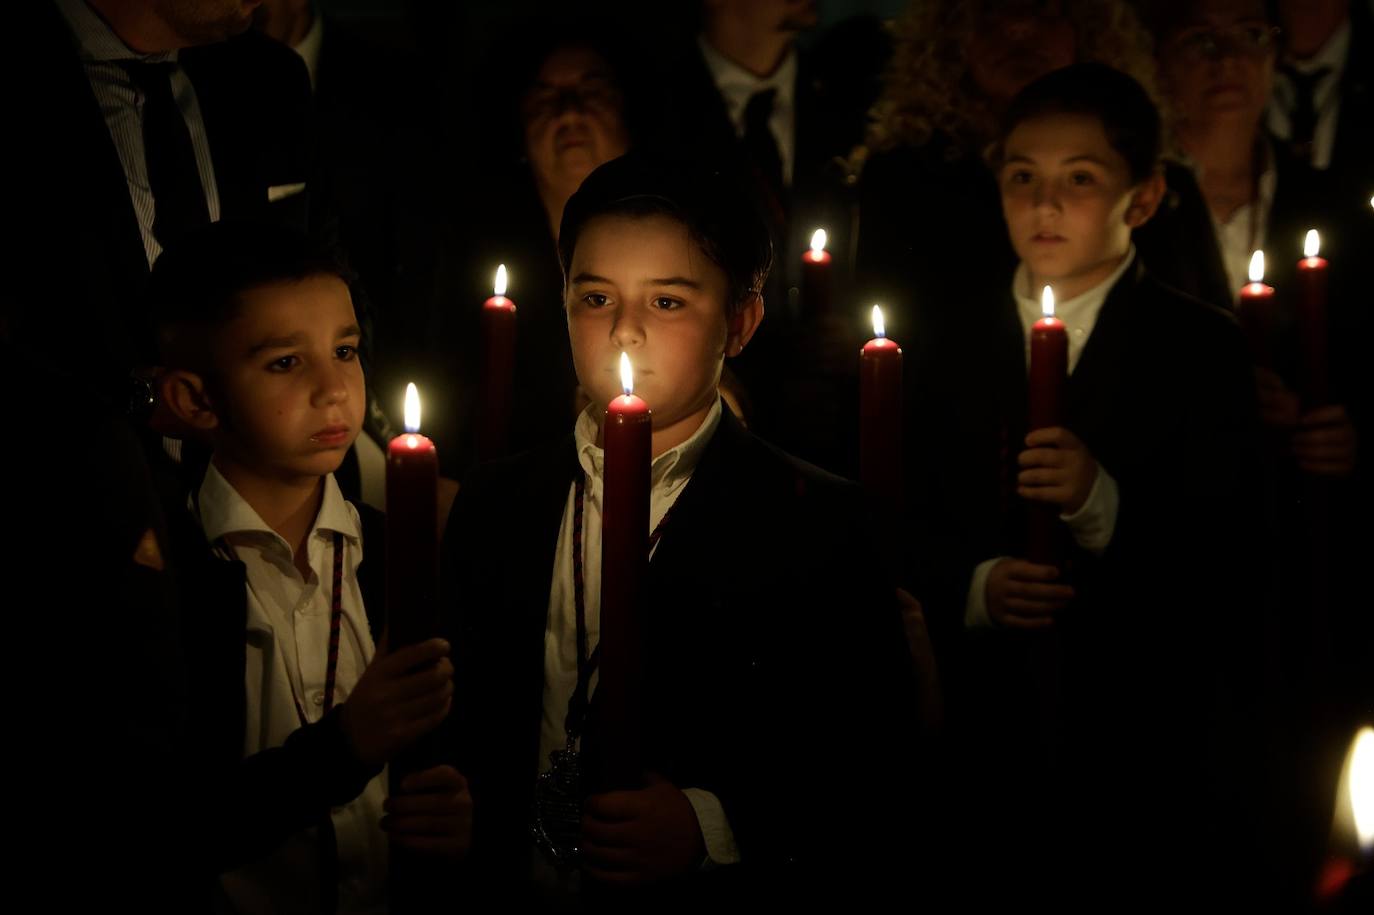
(670, 473)
(309, 47)
(121, 103)
(737, 85)
(1326, 95)
(1093, 524)
(288, 647)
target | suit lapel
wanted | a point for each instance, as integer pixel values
(1094, 387)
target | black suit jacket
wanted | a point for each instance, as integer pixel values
(80, 302)
(777, 674)
(1146, 676)
(254, 804)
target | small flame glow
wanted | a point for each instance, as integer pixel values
(627, 374)
(1257, 267)
(818, 241)
(1362, 787)
(499, 286)
(412, 411)
(1311, 244)
(879, 326)
(1047, 302)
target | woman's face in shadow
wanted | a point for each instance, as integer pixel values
(573, 117)
(1014, 43)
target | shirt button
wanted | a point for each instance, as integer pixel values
(317, 697)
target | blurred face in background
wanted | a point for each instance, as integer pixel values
(573, 117)
(762, 17)
(1014, 43)
(1217, 62)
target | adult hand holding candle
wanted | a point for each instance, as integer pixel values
(412, 541)
(816, 269)
(1049, 370)
(498, 369)
(1257, 312)
(626, 437)
(1312, 326)
(880, 413)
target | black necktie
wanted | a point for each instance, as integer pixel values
(1304, 114)
(762, 148)
(178, 195)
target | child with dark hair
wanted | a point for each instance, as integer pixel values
(777, 681)
(299, 708)
(1092, 697)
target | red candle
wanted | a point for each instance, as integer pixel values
(1049, 369)
(412, 537)
(498, 370)
(880, 413)
(1315, 384)
(1256, 311)
(626, 436)
(816, 277)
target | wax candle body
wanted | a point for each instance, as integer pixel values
(816, 271)
(624, 593)
(498, 373)
(880, 417)
(1256, 312)
(412, 541)
(1049, 369)
(1314, 381)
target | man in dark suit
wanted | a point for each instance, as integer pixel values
(161, 117)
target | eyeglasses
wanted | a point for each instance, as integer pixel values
(1201, 44)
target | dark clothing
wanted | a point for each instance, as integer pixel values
(777, 674)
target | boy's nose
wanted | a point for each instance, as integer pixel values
(628, 330)
(330, 387)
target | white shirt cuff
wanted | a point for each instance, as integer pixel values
(715, 828)
(976, 606)
(1094, 523)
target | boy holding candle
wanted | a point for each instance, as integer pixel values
(299, 709)
(777, 688)
(1104, 683)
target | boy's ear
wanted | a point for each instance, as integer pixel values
(1145, 200)
(182, 394)
(743, 324)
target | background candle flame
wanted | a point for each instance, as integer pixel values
(1362, 788)
(627, 375)
(879, 326)
(1047, 302)
(818, 241)
(412, 410)
(1257, 267)
(499, 286)
(1311, 244)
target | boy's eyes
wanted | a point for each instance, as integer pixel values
(346, 352)
(1082, 179)
(595, 299)
(283, 364)
(666, 303)
(1019, 176)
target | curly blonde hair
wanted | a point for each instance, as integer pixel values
(927, 89)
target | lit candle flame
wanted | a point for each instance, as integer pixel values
(627, 375)
(499, 286)
(1311, 244)
(412, 411)
(818, 241)
(1257, 267)
(1047, 302)
(879, 326)
(1362, 787)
